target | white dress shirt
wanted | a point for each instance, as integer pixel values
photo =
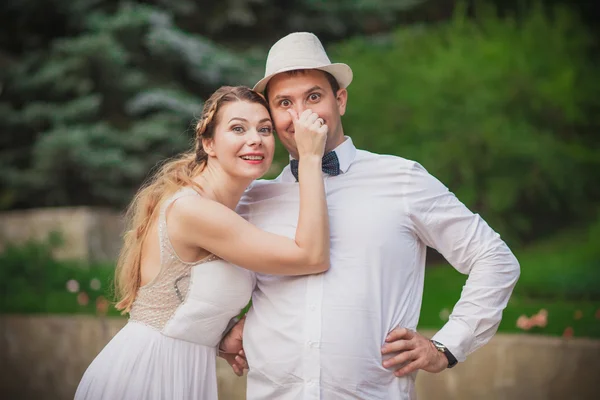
(320, 336)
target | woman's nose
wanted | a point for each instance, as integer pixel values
(254, 138)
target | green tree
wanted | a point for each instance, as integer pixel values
(93, 93)
(503, 111)
(87, 117)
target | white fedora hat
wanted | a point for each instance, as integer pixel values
(301, 50)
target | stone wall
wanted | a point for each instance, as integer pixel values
(44, 358)
(92, 234)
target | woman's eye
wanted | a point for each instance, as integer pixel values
(237, 129)
(285, 103)
(314, 97)
(266, 129)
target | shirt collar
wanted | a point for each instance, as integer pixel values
(346, 152)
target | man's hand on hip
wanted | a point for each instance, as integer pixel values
(415, 352)
(231, 348)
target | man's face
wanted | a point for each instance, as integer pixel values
(303, 90)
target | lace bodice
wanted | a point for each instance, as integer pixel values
(191, 301)
(157, 301)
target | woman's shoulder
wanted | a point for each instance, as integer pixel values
(188, 203)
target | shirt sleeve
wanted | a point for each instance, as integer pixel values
(441, 221)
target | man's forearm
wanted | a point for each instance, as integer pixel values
(478, 313)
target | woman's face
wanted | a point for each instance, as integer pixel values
(243, 142)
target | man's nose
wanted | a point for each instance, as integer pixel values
(299, 108)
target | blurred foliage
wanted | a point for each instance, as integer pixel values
(93, 93)
(503, 111)
(33, 281)
(84, 120)
(566, 266)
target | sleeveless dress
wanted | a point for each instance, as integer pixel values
(167, 350)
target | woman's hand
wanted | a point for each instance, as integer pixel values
(310, 133)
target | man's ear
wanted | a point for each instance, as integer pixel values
(208, 145)
(341, 98)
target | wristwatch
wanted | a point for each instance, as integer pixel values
(452, 361)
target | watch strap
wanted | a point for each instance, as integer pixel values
(452, 361)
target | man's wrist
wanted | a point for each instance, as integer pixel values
(452, 361)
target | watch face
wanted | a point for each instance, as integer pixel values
(439, 346)
(452, 361)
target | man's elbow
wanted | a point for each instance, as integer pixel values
(510, 270)
(516, 270)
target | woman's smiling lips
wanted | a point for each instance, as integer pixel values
(253, 158)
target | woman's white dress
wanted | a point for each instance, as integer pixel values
(167, 349)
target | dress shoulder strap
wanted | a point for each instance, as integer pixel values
(166, 247)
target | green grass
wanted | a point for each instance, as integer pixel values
(561, 275)
(32, 281)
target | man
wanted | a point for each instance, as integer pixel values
(350, 333)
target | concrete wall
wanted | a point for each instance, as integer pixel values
(521, 367)
(44, 358)
(92, 234)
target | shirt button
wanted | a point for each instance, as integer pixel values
(312, 307)
(313, 344)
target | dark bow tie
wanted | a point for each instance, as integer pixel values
(330, 165)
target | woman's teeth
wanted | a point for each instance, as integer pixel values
(253, 158)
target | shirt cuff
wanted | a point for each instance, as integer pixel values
(457, 337)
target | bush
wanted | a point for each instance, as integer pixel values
(32, 281)
(500, 110)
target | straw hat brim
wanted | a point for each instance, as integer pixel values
(341, 72)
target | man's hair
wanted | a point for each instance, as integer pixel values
(335, 86)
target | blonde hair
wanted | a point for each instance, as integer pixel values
(173, 175)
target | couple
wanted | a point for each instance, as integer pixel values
(332, 253)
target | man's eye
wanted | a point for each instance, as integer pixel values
(285, 103)
(314, 97)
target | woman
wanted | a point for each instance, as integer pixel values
(175, 275)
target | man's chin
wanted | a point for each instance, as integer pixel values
(291, 149)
